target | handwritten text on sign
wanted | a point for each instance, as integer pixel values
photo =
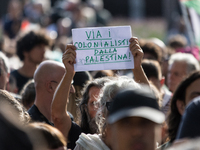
(102, 48)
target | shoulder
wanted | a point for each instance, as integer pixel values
(73, 135)
(91, 141)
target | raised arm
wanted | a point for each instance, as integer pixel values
(61, 118)
(139, 75)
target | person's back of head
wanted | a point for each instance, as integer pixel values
(151, 50)
(12, 134)
(81, 78)
(6, 98)
(28, 94)
(153, 71)
(50, 136)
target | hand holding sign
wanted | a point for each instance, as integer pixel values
(69, 58)
(136, 51)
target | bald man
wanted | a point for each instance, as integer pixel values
(47, 77)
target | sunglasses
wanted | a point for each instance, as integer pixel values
(108, 105)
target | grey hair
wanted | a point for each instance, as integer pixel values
(189, 59)
(108, 92)
(5, 62)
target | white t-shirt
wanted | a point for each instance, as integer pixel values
(90, 142)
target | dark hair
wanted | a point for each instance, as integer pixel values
(28, 94)
(84, 122)
(151, 48)
(29, 41)
(174, 117)
(151, 68)
(103, 73)
(177, 41)
(53, 137)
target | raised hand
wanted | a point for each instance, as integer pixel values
(69, 58)
(136, 51)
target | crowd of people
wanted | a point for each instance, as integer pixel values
(45, 104)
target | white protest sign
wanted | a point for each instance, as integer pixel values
(102, 48)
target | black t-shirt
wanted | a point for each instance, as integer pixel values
(20, 79)
(74, 131)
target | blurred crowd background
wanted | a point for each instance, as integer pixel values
(157, 18)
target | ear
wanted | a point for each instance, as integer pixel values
(181, 106)
(49, 86)
(162, 81)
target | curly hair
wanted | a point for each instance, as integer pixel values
(108, 92)
(29, 41)
(99, 83)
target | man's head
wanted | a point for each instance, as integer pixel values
(32, 47)
(134, 120)
(180, 65)
(47, 77)
(151, 50)
(4, 71)
(153, 72)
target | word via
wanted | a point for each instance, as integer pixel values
(98, 34)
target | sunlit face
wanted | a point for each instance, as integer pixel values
(133, 133)
(36, 55)
(176, 73)
(192, 91)
(93, 95)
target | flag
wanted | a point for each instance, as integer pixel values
(193, 7)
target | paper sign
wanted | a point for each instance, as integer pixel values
(102, 48)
